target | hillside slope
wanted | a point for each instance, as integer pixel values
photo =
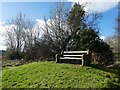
(57, 75)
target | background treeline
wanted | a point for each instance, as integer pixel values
(65, 30)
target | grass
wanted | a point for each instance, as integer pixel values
(58, 75)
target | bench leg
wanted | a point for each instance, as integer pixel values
(82, 62)
(57, 58)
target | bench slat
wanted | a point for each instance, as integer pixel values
(69, 58)
(75, 52)
(73, 55)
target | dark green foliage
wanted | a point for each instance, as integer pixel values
(14, 54)
(75, 23)
(75, 17)
(87, 39)
(103, 55)
(82, 35)
(87, 60)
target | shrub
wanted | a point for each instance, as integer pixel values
(13, 54)
(102, 54)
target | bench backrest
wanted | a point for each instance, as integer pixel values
(75, 52)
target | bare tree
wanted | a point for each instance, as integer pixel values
(15, 38)
(55, 30)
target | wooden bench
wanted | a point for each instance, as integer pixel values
(72, 55)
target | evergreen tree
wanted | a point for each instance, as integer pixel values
(84, 36)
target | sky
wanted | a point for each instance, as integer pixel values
(36, 11)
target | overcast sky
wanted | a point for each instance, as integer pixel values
(37, 10)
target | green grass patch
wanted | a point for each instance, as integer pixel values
(58, 75)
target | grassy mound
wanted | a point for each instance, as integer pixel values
(56, 75)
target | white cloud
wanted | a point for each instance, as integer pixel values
(2, 36)
(2, 28)
(102, 37)
(98, 5)
(40, 25)
(3, 31)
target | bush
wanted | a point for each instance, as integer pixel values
(14, 54)
(102, 54)
(87, 60)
